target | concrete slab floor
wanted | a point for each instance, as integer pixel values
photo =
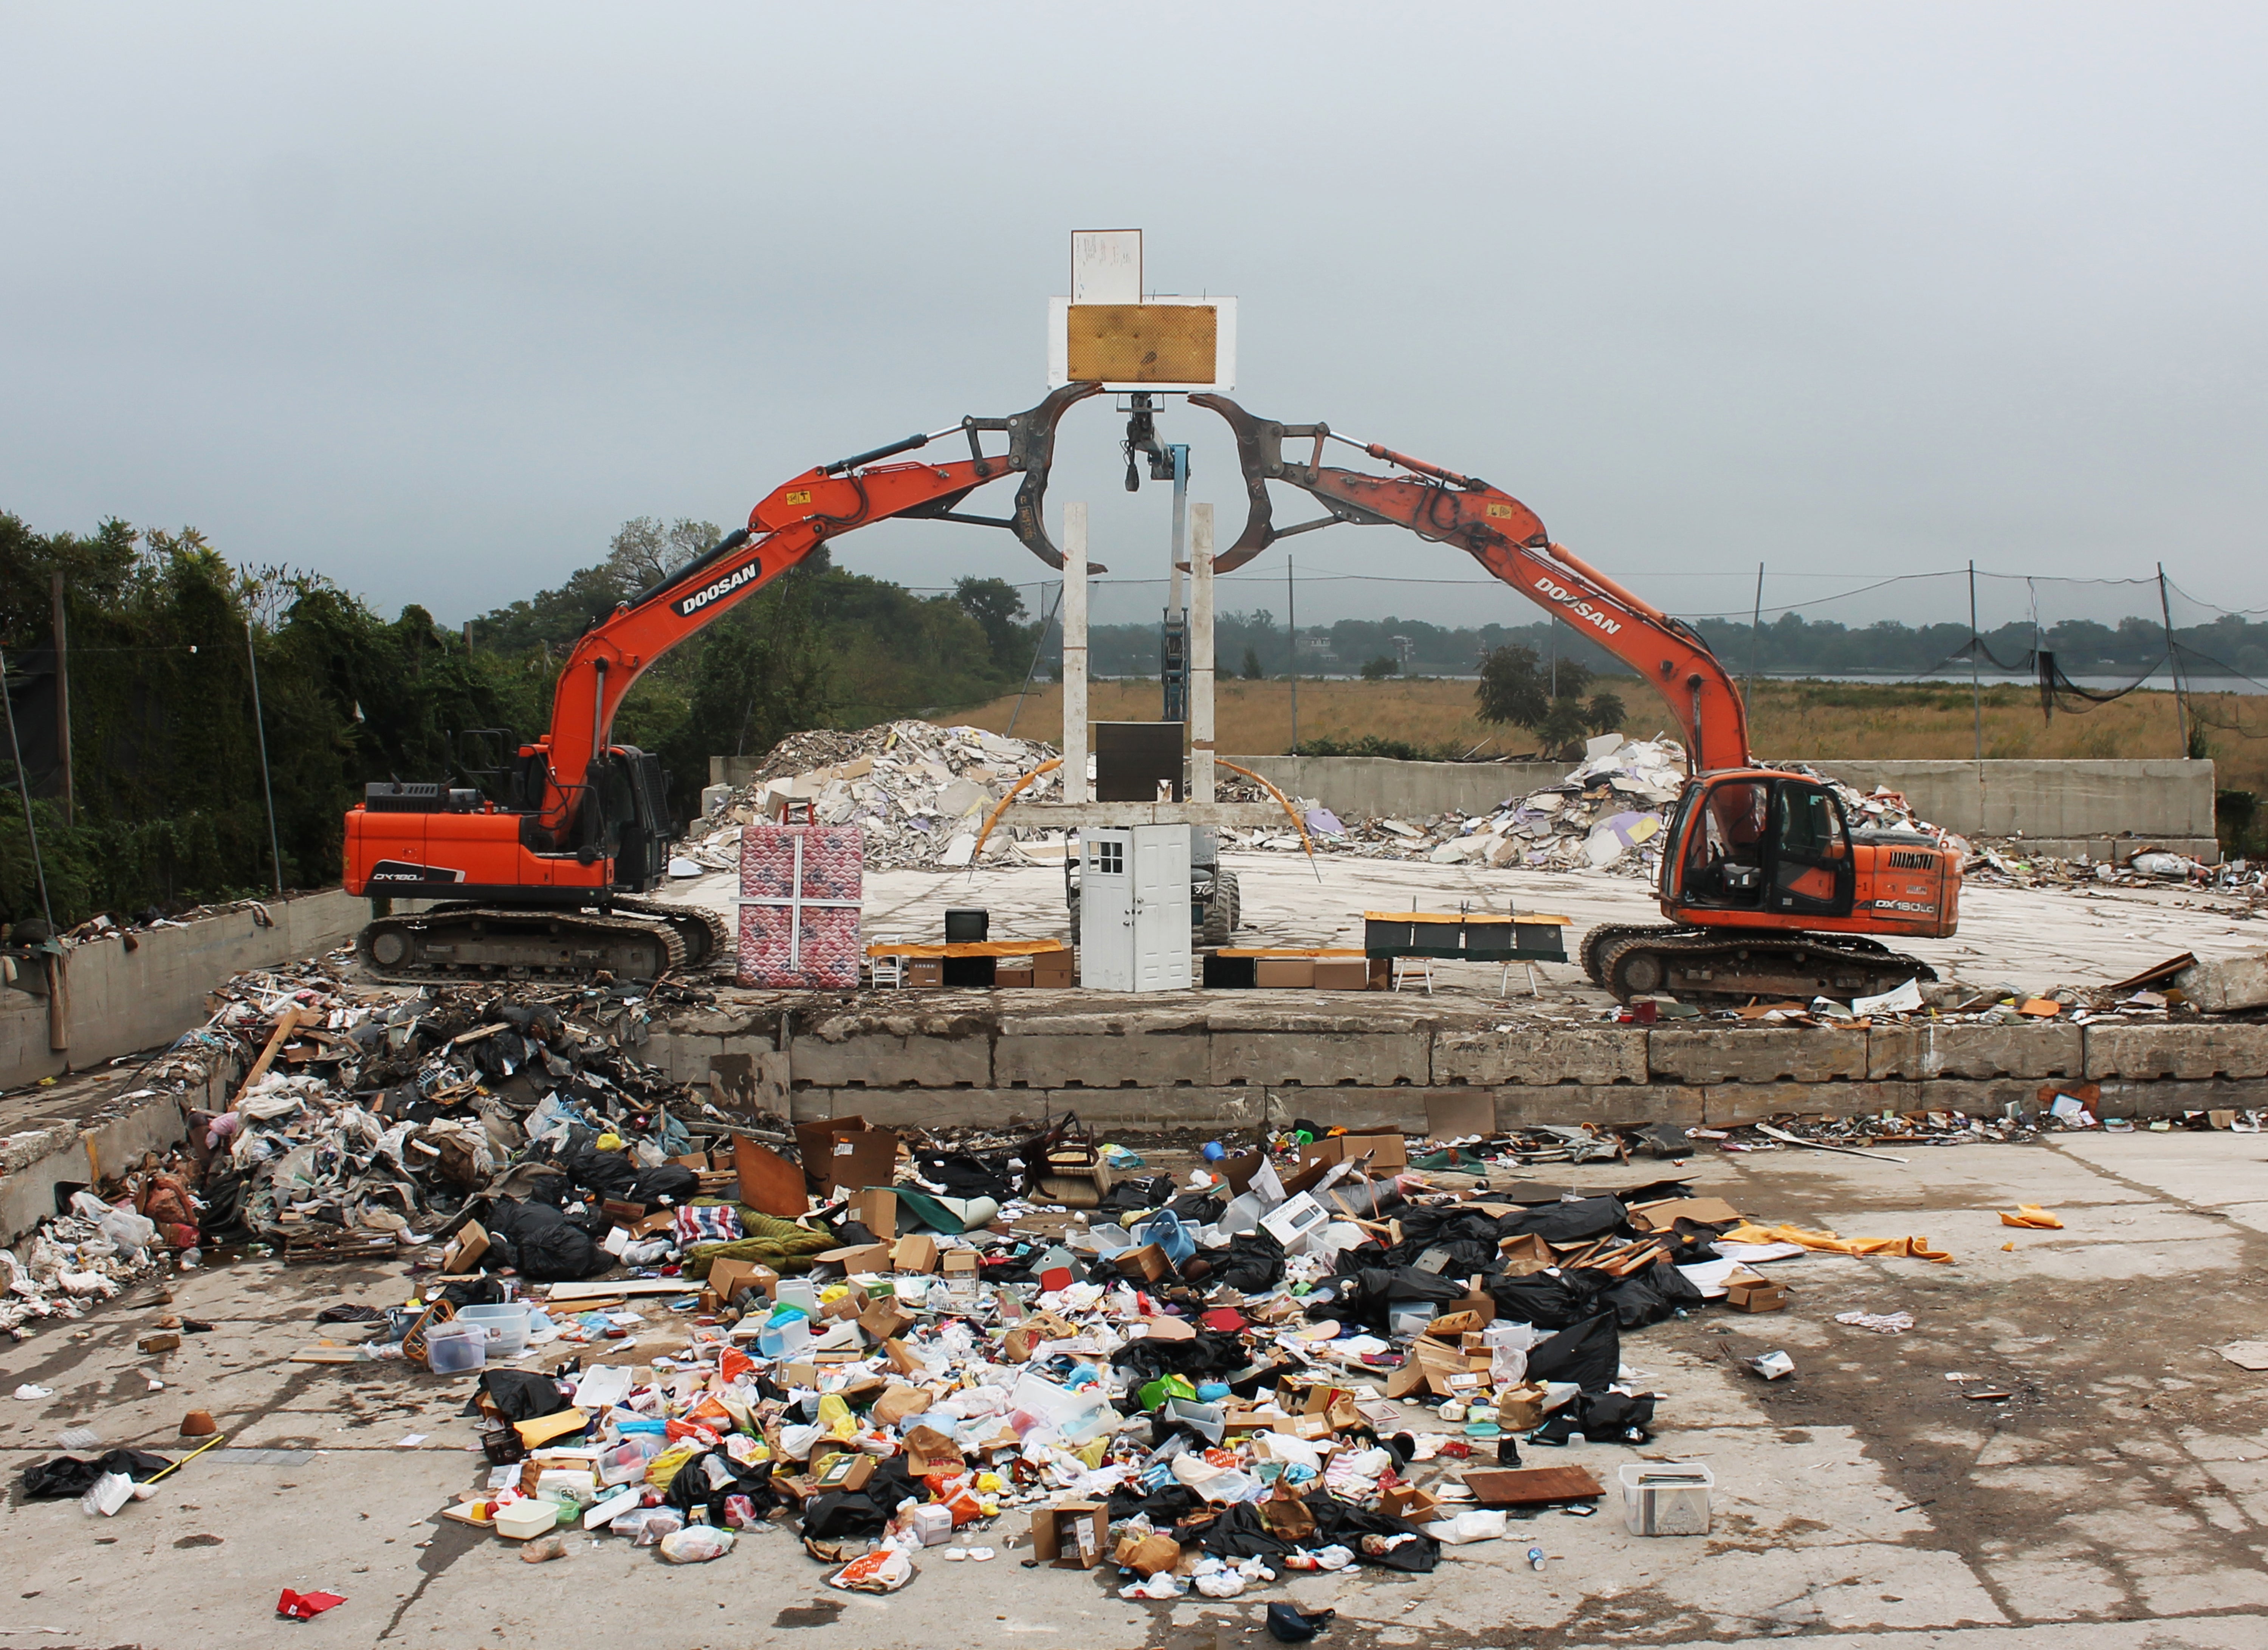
(2033, 937)
(2119, 1497)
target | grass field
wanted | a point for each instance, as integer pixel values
(1813, 721)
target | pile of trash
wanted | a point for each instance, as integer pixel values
(1317, 1354)
(920, 794)
(369, 1124)
(1608, 814)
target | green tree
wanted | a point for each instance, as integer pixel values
(1380, 668)
(1252, 671)
(997, 607)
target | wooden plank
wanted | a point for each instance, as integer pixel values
(561, 1293)
(1531, 1487)
(286, 1023)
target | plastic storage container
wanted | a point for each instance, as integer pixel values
(523, 1520)
(1668, 1497)
(456, 1349)
(506, 1326)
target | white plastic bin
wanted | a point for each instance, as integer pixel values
(1667, 1498)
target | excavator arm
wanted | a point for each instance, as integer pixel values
(1506, 537)
(821, 504)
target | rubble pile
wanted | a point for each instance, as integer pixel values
(1608, 814)
(919, 793)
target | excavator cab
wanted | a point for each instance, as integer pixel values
(1771, 843)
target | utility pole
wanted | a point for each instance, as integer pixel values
(2173, 663)
(62, 700)
(1975, 682)
(1755, 635)
(23, 790)
(267, 784)
(1291, 626)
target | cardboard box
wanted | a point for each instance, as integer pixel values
(1383, 1146)
(846, 1154)
(848, 1471)
(1452, 1116)
(921, 972)
(1006, 978)
(929, 1451)
(876, 1208)
(1407, 1500)
(769, 1182)
(916, 1252)
(883, 1322)
(856, 1257)
(466, 1249)
(1071, 1535)
(1342, 973)
(1052, 970)
(1661, 1216)
(1284, 973)
(959, 1263)
(1525, 1255)
(1148, 1263)
(1757, 1297)
(728, 1278)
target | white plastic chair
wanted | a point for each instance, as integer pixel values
(890, 966)
(1414, 968)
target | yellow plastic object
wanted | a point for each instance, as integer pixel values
(662, 1469)
(609, 1143)
(835, 1415)
(544, 1428)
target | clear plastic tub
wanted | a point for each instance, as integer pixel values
(506, 1326)
(456, 1349)
(1667, 1498)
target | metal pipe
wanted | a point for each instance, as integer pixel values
(1201, 662)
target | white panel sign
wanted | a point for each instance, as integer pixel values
(1106, 266)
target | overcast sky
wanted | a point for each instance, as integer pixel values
(431, 298)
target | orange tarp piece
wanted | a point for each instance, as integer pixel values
(2031, 1214)
(1901, 1247)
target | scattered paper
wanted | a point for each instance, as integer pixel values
(1881, 1324)
(410, 1440)
(1899, 999)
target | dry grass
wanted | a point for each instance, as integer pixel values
(1791, 720)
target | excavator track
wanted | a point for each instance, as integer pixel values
(706, 937)
(1596, 943)
(502, 942)
(1691, 964)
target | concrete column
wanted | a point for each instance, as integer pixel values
(1074, 653)
(1200, 740)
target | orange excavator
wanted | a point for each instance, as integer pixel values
(1767, 888)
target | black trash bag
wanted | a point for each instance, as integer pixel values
(465, 1291)
(518, 1395)
(67, 1476)
(1690, 1243)
(1203, 1354)
(1649, 1296)
(1466, 1236)
(1127, 1195)
(965, 1174)
(1238, 1533)
(1616, 1418)
(542, 1243)
(1540, 1298)
(1366, 1295)
(1164, 1508)
(1589, 1353)
(601, 1174)
(866, 1512)
(1250, 1264)
(708, 1477)
(1565, 1222)
(668, 1183)
(223, 1193)
(1558, 1426)
(1198, 1208)
(1286, 1626)
(1346, 1524)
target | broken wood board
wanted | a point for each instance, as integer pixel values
(562, 1292)
(1532, 1486)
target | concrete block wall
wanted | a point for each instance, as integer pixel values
(2170, 801)
(123, 1001)
(1187, 1064)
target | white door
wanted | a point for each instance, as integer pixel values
(1106, 909)
(1162, 907)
